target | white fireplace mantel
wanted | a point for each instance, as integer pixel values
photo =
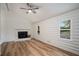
(16, 34)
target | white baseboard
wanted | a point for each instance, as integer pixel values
(16, 40)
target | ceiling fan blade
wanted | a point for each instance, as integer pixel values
(27, 4)
(27, 12)
(30, 5)
(33, 11)
(36, 8)
(22, 8)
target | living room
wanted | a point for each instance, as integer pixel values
(39, 25)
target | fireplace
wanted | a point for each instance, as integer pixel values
(22, 34)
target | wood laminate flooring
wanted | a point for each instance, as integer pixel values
(32, 47)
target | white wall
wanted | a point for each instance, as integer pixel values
(15, 22)
(3, 20)
(50, 31)
(11, 22)
(0, 22)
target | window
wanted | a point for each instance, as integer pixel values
(65, 26)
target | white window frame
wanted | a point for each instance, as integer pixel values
(66, 29)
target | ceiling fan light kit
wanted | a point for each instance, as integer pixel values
(29, 11)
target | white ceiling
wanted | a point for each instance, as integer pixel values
(45, 10)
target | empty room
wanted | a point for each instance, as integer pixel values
(39, 29)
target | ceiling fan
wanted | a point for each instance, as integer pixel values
(30, 8)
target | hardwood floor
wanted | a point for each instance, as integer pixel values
(31, 48)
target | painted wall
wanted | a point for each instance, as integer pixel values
(50, 31)
(11, 22)
(2, 22)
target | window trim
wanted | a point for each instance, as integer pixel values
(66, 29)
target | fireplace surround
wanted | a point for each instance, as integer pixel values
(23, 34)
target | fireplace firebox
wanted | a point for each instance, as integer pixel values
(22, 34)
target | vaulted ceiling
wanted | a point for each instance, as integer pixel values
(45, 10)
